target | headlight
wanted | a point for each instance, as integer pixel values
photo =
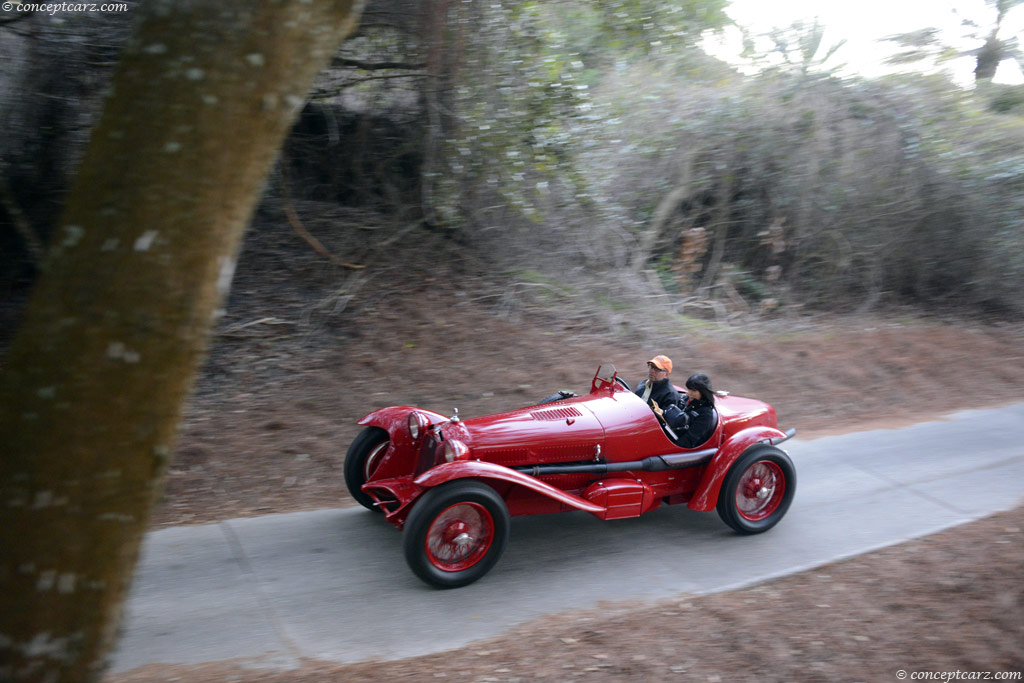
(417, 423)
(455, 450)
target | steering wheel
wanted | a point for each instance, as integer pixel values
(623, 382)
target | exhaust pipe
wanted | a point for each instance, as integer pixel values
(655, 463)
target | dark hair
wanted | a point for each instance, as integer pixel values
(702, 383)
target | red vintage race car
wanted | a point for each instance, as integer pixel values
(453, 484)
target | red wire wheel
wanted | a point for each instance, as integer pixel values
(456, 533)
(757, 490)
(760, 490)
(459, 537)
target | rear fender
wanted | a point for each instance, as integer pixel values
(476, 469)
(705, 498)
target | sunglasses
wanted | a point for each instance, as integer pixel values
(652, 366)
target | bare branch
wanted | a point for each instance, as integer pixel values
(293, 220)
(375, 66)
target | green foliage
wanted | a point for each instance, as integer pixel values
(604, 32)
(522, 100)
(506, 136)
(1004, 99)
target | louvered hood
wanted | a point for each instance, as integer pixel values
(560, 432)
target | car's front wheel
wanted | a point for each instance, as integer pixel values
(456, 533)
(758, 490)
(361, 461)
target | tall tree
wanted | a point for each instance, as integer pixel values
(97, 375)
(995, 49)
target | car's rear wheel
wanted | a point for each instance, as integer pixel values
(456, 533)
(758, 490)
(362, 460)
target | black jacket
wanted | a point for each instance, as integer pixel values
(693, 422)
(662, 392)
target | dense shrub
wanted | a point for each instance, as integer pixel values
(813, 190)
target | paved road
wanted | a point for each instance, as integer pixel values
(332, 584)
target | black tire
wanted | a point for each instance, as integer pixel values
(758, 490)
(463, 508)
(360, 461)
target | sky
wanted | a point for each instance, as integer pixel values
(863, 22)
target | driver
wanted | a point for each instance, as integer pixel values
(657, 389)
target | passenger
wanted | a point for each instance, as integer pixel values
(693, 421)
(657, 389)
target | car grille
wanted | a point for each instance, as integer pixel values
(428, 454)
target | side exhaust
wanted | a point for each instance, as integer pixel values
(655, 463)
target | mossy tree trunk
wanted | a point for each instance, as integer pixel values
(96, 378)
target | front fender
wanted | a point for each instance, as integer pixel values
(403, 451)
(393, 419)
(705, 498)
(476, 469)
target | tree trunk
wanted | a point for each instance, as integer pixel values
(720, 227)
(96, 378)
(988, 59)
(667, 206)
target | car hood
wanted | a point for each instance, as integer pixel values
(556, 432)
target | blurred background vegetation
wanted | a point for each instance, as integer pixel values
(593, 150)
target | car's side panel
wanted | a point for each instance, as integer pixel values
(522, 501)
(631, 429)
(705, 498)
(473, 469)
(621, 498)
(673, 485)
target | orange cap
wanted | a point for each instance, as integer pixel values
(662, 362)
